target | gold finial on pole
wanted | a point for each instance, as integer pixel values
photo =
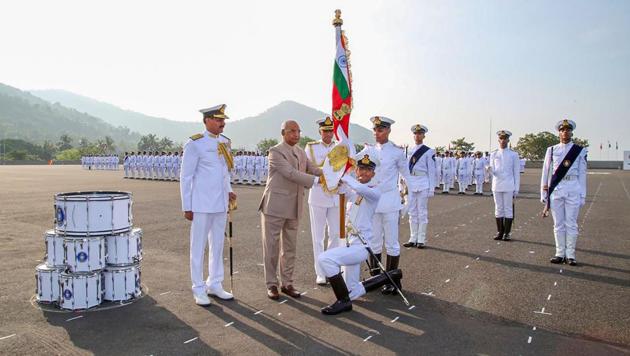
(337, 21)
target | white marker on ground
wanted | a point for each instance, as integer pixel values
(394, 320)
(448, 280)
(549, 297)
(555, 284)
(191, 340)
(284, 301)
(467, 266)
(228, 324)
(534, 328)
(258, 312)
(75, 318)
(411, 307)
(367, 338)
(165, 293)
(529, 341)
(6, 337)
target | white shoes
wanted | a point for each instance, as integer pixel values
(220, 293)
(320, 280)
(201, 299)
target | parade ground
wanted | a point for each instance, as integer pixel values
(468, 294)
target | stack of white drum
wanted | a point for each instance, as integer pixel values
(93, 253)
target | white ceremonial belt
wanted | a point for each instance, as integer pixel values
(570, 178)
(419, 174)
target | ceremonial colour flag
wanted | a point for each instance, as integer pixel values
(339, 159)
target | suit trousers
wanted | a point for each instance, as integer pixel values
(320, 218)
(385, 227)
(418, 210)
(503, 204)
(279, 239)
(565, 208)
(207, 229)
(349, 259)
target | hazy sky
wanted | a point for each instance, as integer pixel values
(451, 65)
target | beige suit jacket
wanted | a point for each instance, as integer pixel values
(289, 173)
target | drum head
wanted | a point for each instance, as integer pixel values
(93, 195)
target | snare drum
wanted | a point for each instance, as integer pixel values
(92, 213)
(125, 248)
(80, 291)
(84, 254)
(47, 281)
(121, 283)
(54, 249)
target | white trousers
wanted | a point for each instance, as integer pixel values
(207, 229)
(565, 208)
(418, 210)
(447, 181)
(462, 182)
(385, 227)
(503, 204)
(479, 183)
(349, 260)
(320, 219)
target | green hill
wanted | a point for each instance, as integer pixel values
(27, 117)
(245, 133)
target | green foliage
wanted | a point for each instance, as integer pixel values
(460, 144)
(71, 154)
(304, 140)
(533, 146)
(440, 149)
(153, 143)
(265, 144)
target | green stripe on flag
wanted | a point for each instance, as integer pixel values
(340, 82)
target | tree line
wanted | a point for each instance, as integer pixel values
(68, 148)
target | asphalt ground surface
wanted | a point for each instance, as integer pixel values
(469, 293)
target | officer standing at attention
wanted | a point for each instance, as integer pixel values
(385, 222)
(206, 191)
(506, 179)
(420, 185)
(563, 190)
(323, 205)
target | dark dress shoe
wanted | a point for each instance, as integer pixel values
(290, 291)
(409, 244)
(272, 293)
(557, 260)
(499, 236)
(420, 245)
(572, 262)
(337, 307)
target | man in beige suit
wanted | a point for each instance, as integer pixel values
(281, 207)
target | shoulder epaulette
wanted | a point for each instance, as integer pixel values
(196, 137)
(400, 147)
(225, 137)
(312, 143)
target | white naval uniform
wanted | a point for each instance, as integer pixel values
(479, 168)
(567, 198)
(462, 173)
(438, 171)
(362, 202)
(506, 180)
(323, 207)
(393, 163)
(448, 171)
(126, 162)
(420, 186)
(204, 187)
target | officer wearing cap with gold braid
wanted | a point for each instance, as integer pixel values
(563, 188)
(206, 193)
(323, 205)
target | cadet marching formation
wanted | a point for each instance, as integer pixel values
(249, 168)
(100, 162)
(388, 182)
(152, 165)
